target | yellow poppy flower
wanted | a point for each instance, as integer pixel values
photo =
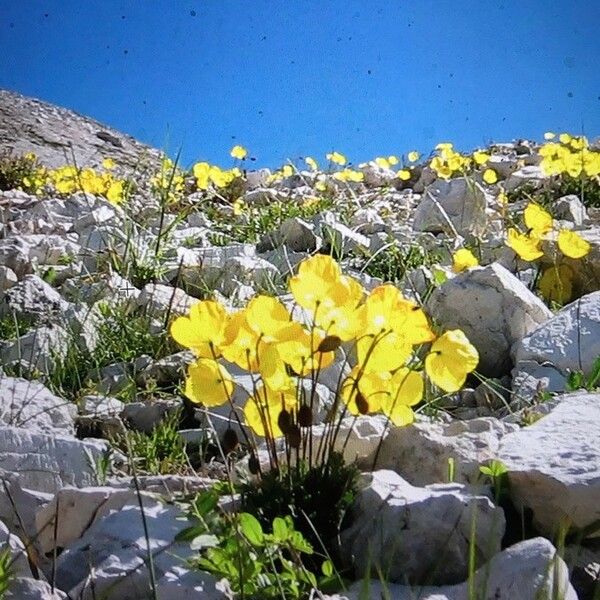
(203, 331)
(463, 259)
(450, 359)
(393, 160)
(537, 219)
(403, 174)
(364, 393)
(490, 176)
(261, 411)
(239, 152)
(556, 284)
(208, 383)
(201, 172)
(480, 158)
(312, 163)
(406, 389)
(337, 158)
(311, 286)
(382, 162)
(108, 164)
(527, 247)
(571, 244)
(267, 317)
(413, 156)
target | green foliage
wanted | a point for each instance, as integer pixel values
(497, 473)
(257, 221)
(122, 337)
(13, 327)
(317, 498)
(257, 564)
(6, 571)
(160, 452)
(585, 188)
(393, 261)
(577, 379)
(17, 172)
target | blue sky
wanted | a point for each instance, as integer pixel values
(290, 78)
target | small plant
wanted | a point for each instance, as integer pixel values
(160, 452)
(497, 473)
(6, 572)
(13, 326)
(577, 379)
(256, 563)
(20, 172)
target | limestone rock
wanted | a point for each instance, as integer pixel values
(554, 464)
(501, 312)
(420, 534)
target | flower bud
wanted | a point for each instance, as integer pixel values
(305, 417)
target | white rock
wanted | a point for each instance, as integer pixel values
(296, 234)
(529, 570)
(14, 254)
(8, 279)
(101, 406)
(27, 588)
(501, 311)
(571, 209)
(569, 341)
(420, 452)
(452, 205)
(532, 174)
(31, 405)
(554, 464)
(75, 511)
(420, 534)
(159, 300)
(46, 463)
(32, 298)
(38, 349)
(116, 545)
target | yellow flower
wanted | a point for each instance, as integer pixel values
(287, 170)
(382, 162)
(239, 152)
(480, 157)
(208, 383)
(413, 156)
(238, 207)
(490, 176)
(463, 259)
(321, 186)
(393, 160)
(261, 411)
(450, 359)
(301, 350)
(549, 135)
(537, 220)
(267, 317)
(108, 164)
(406, 390)
(115, 192)
(565, 138)
(556, 284)
(364, 393)
(30, 156)
(241, 343)
(572, 244)
(337, 158)
(203, 331)
(502, 198)
(316, 275)
(312, 163)
(527, 247)
(403, 174)
(201, 172)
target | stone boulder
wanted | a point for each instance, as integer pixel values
(494, 309)
(554, 465)
(569, 341)
(420, 534)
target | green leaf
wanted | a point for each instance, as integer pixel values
(251, 529)
(299, 543)
(206, 502)
(280, 530)
(327, 568)
(594, 377)
(189, 533)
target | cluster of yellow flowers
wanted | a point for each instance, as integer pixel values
(208, 175)
(169, 182)
(570, 155)
(555, 283)
(449, 162)
(384, 328)
(69, 179)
